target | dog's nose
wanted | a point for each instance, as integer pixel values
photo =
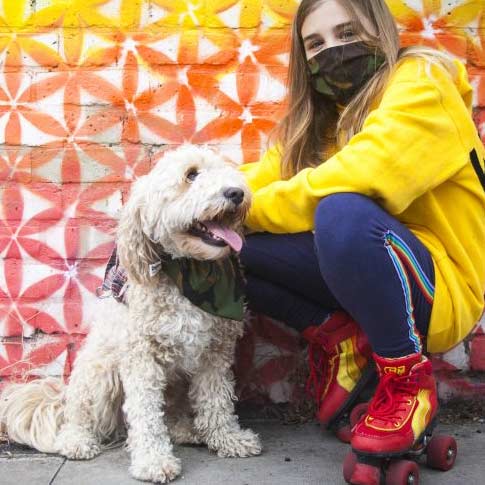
(234, 194)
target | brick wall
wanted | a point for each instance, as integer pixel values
(91, 91)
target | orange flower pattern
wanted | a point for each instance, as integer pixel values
(92, 91)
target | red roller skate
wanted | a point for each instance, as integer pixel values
(397, 427)
(340, 368)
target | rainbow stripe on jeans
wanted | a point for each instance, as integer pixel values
(406, 265)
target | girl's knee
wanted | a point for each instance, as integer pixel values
(341, 219)
(343, 205)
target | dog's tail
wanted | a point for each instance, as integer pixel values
(32, 413)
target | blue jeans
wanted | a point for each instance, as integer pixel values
(360, 259)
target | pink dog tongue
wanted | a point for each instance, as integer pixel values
(231, 237)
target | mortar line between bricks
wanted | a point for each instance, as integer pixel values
(57, 472)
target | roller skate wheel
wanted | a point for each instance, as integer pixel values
(402, 472)
(349, 464)
(441, 452)
(357, 413)
(365, 474)
(344, 433)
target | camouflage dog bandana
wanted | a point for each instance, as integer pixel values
(216, 287)
(340, 72)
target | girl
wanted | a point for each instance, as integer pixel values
(371, 201)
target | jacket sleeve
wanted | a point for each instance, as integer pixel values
(408, 145)
(265, 171)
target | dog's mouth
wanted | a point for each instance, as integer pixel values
(216, 234)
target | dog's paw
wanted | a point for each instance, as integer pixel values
(156, 469)
(76, 443)
(242, 443)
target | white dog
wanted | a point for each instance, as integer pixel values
(146, 356)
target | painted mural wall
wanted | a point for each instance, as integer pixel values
(93, 91)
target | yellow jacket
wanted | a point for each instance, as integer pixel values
(414, 157)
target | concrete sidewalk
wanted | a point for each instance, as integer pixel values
(293, 454)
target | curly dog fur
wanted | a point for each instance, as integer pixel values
(160, 363)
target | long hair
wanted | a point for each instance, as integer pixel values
(312, 127)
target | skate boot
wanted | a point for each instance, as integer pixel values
(398, 424)
(404, 405)
(340, 367)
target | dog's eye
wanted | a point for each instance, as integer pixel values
(192, 174)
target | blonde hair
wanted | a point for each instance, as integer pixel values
(306, 134)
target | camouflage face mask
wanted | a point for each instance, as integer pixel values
(340, 72)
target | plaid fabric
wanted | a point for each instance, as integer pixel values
(115, 280)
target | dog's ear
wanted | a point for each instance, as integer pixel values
(135, 250)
